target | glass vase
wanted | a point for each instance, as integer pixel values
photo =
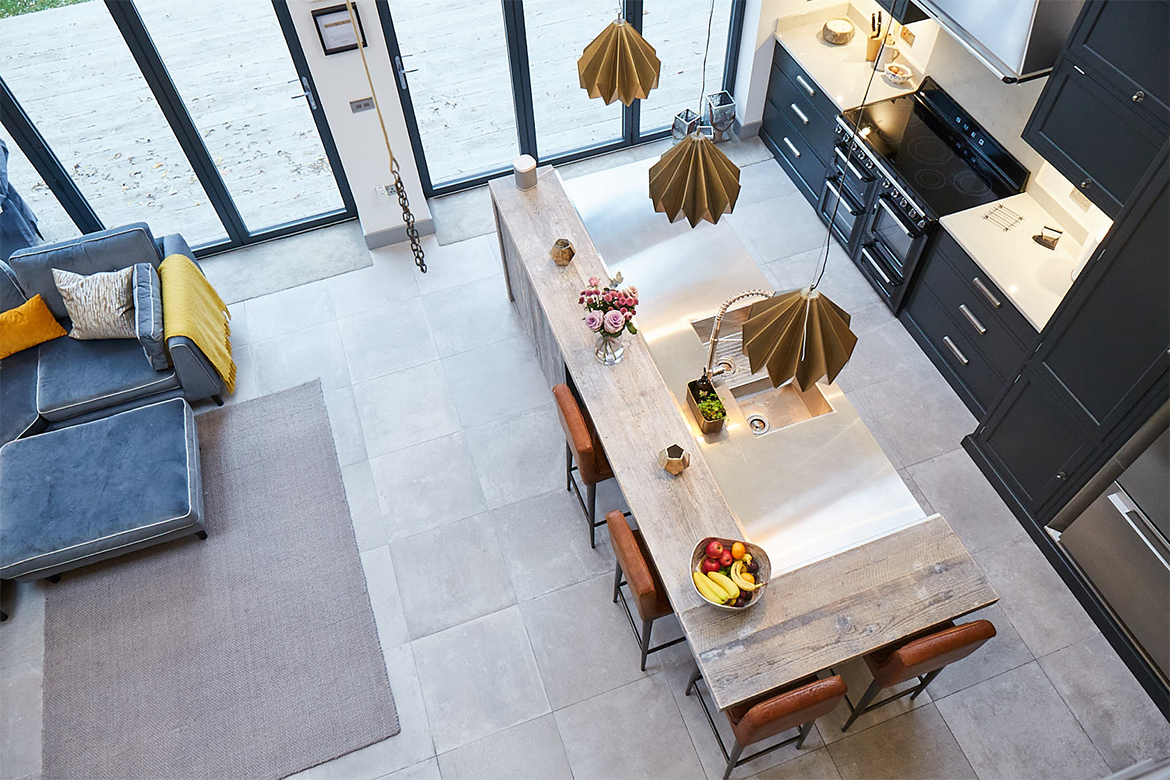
(609, 349)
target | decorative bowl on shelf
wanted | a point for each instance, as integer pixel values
(838, 31)
(897, 73)
(754, 557)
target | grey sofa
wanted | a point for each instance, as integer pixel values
(67, 382)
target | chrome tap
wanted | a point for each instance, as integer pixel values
(709, 371)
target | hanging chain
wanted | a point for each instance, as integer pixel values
(408, 218)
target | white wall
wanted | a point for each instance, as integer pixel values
(339, 79)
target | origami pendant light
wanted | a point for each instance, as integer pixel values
(619, 65)
(696, 179)
(799, 335)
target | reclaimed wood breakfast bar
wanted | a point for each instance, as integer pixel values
(874, 581)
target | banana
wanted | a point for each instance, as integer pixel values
(738, 579)
(707, 589)
(747, 558)
(724, 582)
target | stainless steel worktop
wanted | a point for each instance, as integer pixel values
(802, 492)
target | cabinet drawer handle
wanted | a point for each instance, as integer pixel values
(986, 292)
(1060, 475)
(1086, 183)
(1078, 70)
(796, 110)
(877, 268)
(971, 318)
(962, 358)
(811, 92)
(790, 146)
(1139, 96)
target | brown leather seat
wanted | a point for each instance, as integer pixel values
(922, 655)
(795, 706)
(635, 563)
(583, 448)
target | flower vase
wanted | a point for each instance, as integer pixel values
(609, 349)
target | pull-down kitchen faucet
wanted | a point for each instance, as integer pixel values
(709, 371)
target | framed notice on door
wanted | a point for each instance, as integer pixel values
(335, 29)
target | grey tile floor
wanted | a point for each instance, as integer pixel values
(511, 661)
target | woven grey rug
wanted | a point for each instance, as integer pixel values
(251, 654)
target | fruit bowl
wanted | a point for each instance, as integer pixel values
(757, 556)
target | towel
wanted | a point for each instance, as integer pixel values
(192, 308)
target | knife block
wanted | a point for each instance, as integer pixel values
(872, 45)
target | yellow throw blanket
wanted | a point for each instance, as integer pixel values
(192, 308)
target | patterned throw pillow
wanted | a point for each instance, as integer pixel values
(100, 305)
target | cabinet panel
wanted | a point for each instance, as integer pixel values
(794, 104)
(1126, 43)
(793, 149)
(786, 64)
(978, 286)
(903, 11)
(1092, 136)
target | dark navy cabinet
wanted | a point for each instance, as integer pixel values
(903, 11)
(798, 124)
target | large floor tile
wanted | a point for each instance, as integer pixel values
(423, 770)
(288, 311)
(580, 658)
(427, 486)
(857, 678)
(918, 413)
(472, 315)
(761, 181)
(346, 425)
(456, 264)
(20, 720)
(883, 349)
(545, 540)
(22, 636)
(369, 524)
(632, 731)
(520, 456)
(917, 744)
(382, 341)
(463, 215)
(778, 227)
(450, 575)
(479, 678)
(1108, 702)
(296, 358)
(405, 408)
(495, 381)
(412, 745)
(1003, 652)
(1040, 606)
(382, 587)
(809, 765)
(530, 750)
(842, 282)
(919, 496)
(959, 492)
(391, 278)
(1016, 725)
(241, 333)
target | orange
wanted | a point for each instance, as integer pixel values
(738, 550)
(747, 575)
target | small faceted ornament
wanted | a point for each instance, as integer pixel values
(799, 335)
(619, 65)
(674, 459)
(695, 179)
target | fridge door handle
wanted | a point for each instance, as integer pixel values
(1122, 503)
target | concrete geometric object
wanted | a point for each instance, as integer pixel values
(562, 251)
(619, 65)
(799, 335)
(674, 459)
(694, 178)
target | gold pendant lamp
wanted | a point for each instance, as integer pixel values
(619, 65)
(696, 179)
(799, 335)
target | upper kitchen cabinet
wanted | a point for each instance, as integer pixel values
(1102, 115)
(903, 11)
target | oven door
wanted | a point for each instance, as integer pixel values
(840, 211)
(901, 241)
(880, 268)
(852, 174)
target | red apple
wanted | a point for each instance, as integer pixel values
(714, 549)
(726, 559)
(709, 565)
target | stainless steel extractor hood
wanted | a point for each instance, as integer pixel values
(1016, 39)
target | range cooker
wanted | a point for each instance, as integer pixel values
(900, 164)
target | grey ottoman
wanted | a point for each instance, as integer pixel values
(78, 495)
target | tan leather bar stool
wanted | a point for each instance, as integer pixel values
(795, 706)
(642, 579)
(583, 448)
(922, 655)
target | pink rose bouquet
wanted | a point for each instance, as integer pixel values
(608, 307)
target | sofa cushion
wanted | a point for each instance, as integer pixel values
(11, 295)
(76, 377)
(83, 493)
(18, 395)
(148, 319)
(100, 306)
(106, 250)
(26, 326)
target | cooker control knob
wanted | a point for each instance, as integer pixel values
(869, 164)
(921, 223)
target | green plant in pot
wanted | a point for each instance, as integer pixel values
(706, 405)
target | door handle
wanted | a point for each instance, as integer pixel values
(843, 201)
(971, 318)
(962, 358)
(1127, 509)
(800, 114)
(811, 92)
(848, 163)
(790, 146)
(877, 268)
(400, 71)
(894, 216)
(307, 94)
(986, 292)
(1138, 96)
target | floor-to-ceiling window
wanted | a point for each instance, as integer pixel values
(484, 80)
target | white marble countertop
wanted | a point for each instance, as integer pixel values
(840, 71)
(1035, 279)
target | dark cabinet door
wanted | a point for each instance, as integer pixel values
(1092, 135)
(1126, 43)
(1109, 340)
(903, 11)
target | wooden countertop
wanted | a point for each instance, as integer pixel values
(811, 618)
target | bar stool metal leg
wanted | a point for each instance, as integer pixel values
(647, 626)
(859, 708)
(732, 758)
(568, 467)
(926, 680)
(617, 583)
(591, 498)
(804, 730)
(694, 680)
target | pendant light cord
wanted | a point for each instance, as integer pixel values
(823, 264)
(706, 51)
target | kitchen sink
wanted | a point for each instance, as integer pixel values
(765, 408)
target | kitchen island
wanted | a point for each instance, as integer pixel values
(868, 572)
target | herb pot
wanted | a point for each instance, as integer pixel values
(695, 389)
